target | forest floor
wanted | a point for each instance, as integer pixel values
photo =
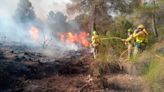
(24, 70)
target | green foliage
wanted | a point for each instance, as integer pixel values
(118, 29)
(154, 76)
(161, 32)
(147, 9)
(151, 68)
(130, 15)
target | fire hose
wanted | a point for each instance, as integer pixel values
(112, 38)
(125, 51)
(116, 38)
(121, 55)
(159, 56)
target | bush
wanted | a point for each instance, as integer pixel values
(150, 67)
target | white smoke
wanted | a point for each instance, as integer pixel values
(42, 7)
(8, 27)
(11, 31)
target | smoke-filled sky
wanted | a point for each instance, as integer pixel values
(10, 30)
(41, 7)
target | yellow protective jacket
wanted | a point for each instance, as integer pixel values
(141, 36)
(130, 39)
(95, 40)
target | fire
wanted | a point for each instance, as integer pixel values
(34, 32)
(80, 39)
(70, 38)
(62, 37)
(83, 38)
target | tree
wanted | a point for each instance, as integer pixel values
(25, 12)
(154, 20)
(73, 25)
(82, 21)
(99, 11)
(147, 11)
(57, 22)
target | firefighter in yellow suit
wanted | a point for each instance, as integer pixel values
(130, 43)
(95, 43)
(141, 39)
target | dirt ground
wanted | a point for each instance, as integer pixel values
(23, 70)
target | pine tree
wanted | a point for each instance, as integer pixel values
(25, 12)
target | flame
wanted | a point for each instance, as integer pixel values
(70, 38)
(80, 39)
(83, 39)
(34, 32)
(62, 37)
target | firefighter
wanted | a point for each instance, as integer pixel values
(141, 38)
(130, 43)
(95, 43)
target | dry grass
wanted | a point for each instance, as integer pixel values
(150, 67)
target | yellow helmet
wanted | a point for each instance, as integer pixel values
(141, 26)
(94, 32)
(130, 30)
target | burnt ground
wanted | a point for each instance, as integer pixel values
(24, 70)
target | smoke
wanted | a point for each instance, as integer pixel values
(10, 30)
(19, 30)
(42, 7)
(8, 27)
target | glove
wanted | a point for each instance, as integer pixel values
(124, 40)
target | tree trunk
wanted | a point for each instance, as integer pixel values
(154, 25)
(154, 21)
(93, 15)
(92, 18)
(142, 2)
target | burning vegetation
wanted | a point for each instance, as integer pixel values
(81, 39)
(34, 33)
(46, 48)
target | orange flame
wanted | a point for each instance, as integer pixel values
(74, 38)
(34, 32)
(83, 39)
(70, 38)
